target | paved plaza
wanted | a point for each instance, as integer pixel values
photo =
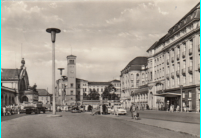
(82, 125)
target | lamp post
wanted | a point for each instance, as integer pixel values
(53, 32)
(61, 69)
(181, 87)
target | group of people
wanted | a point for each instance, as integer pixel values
(101, 109)
(10, 110)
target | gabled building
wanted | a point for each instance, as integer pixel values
(15, 87)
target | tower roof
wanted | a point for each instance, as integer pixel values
(71, 56)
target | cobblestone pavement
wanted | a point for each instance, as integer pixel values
(81, 125)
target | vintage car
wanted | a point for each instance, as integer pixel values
(119, 109)
(75, 110)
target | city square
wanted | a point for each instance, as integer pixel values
(100, 69)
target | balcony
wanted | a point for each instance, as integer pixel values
(172, 75)
(190, 69)
(172, 59)
(199, 67)
(167, 76)
(184, 72)
(178, 73)
(190, 51)
(178, 56)
(184, 54)
(199, 47)
(168, 61)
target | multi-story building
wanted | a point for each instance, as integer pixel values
(71, 90)
(134, 79)
(174, 64)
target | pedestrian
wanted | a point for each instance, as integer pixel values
(133, 111)
(4, 111)
(116, 111)
(101, 109)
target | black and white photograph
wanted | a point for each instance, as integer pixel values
(100, 69)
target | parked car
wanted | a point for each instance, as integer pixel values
(75, 110)
(119, 109)
(109, 108)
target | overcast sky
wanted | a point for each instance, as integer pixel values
(104, 36)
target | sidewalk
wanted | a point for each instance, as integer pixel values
(192, 129)
(189, 117)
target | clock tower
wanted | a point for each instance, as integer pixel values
(71, 74)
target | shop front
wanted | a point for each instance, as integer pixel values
(188, 94)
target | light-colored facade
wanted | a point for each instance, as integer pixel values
(71, 90)
(174, 60)
(44, 96)
(134, 83)
(173, 66)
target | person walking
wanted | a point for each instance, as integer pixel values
(4, 111)
(116, 111)
(133, 111)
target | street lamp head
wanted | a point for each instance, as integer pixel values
(60, 70)
(53, 32)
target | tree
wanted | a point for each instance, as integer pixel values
(93, 95)
(107, 93)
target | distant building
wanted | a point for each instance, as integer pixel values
(15, 87)
(71, 90)
(44, 96)
(134, 83)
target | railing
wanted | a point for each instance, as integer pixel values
(190, 69)
(184, 54)
(199, 67)
(184, 72)
(178, 56)
(178, 73)
(190, 51)
(199, 47)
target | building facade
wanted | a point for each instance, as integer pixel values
(44, 96)
(174, 64)
(15, 86)
(71, 90)
(134, 84)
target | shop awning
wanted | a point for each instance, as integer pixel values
(168, 94)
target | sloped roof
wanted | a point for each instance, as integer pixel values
(43, 92)
(10, 74)
(99, 83)
(195, 12)
(115, 80)
(71, 56)
(136, 63)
